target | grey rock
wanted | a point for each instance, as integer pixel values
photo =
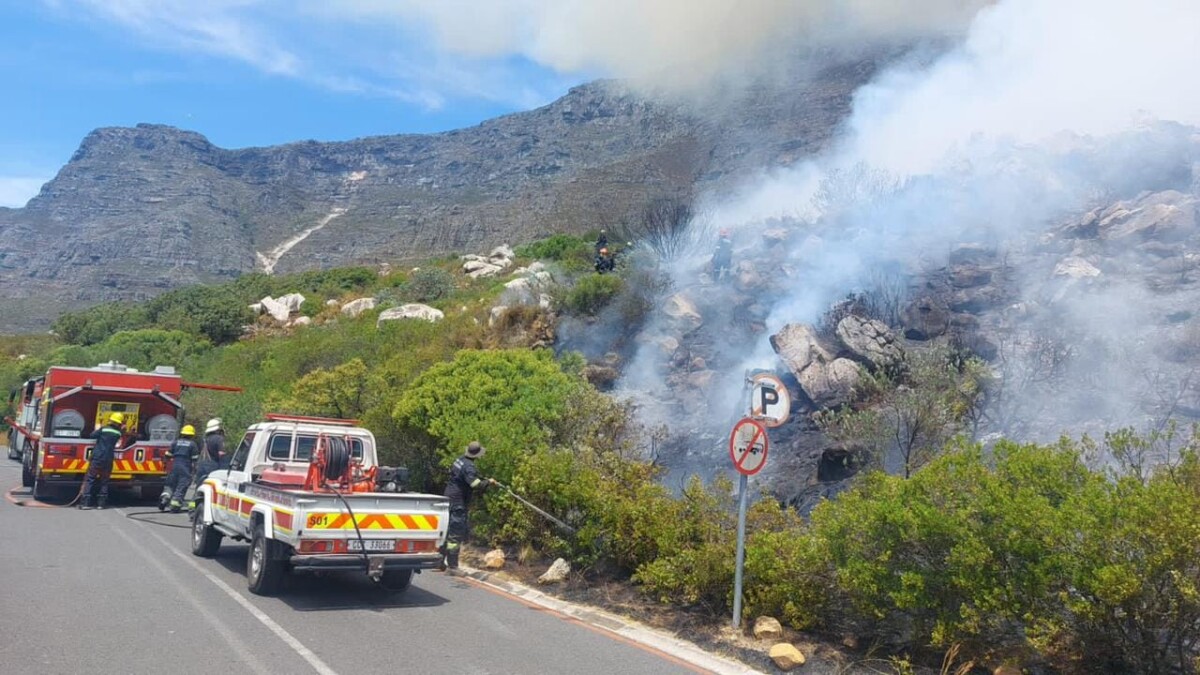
(357, 307)
(924, 319)
(411, 311)
(870, 340)
(557, 572)
(1073, 267)
(278, 310)
(827, 380)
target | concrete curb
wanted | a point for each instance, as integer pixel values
(619, 625)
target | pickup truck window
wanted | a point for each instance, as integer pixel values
(280, 448)
(238, 462)
(306, 444)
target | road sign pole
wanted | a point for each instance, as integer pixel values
(741, 553)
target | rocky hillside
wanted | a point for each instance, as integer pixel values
(137, 211)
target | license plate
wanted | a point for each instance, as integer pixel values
(372, 545)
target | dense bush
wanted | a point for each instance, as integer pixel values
(592, 293)
(571, 252)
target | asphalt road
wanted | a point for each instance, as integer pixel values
(98, 592)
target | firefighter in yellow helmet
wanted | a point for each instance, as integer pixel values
(183, 453)
(95, 486)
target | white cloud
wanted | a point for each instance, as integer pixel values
(220, 27)
(15, 191)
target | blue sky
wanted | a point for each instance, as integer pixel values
(241, 72)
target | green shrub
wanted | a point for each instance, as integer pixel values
(429, 284)
(559, 248)
(592, 293)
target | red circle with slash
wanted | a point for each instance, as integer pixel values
(748, 446)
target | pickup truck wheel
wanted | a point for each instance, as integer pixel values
(264, 571)
(396, 581)
(205, 538)
(13, 451)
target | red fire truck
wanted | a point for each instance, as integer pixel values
(60, 410)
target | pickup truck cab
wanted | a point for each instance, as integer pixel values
(267, 497)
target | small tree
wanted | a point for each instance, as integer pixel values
(914, 413)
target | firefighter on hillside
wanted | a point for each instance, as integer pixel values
(601, 241)
(464, 480)
(722, 260)
(212, 456)
(95, 486)
(183, 452)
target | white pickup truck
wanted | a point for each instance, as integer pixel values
(269, 498)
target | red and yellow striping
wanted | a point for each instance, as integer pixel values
(121, 467)
(243, 506)
(371, 521)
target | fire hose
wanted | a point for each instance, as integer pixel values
(534, 508)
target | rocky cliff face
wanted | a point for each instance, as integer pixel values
(138, 211)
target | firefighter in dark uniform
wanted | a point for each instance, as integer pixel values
(722, 260)
(212, 456)
(183, 453)
(95, 486)
(464, 480)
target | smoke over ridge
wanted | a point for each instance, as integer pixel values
(1040, 112)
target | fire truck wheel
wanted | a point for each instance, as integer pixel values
(205, 538)
(264, 570)
(27, 468)
(396, 581)
(40, 489)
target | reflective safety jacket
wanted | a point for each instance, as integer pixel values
(184, 450)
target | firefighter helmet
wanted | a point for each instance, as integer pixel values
(213, 425)
(187, 430)
(604, 251)
(116, 418)
(724, 232)
(474, 449)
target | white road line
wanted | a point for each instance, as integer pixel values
(288, 639)
(240, 647)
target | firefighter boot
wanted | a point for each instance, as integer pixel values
(176, 506)
(102, 503)
(163, 500)
(452, 555)
(85, 505)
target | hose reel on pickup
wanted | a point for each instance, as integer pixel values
(334, 467)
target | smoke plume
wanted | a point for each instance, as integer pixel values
(1039, 112)
(673, 43)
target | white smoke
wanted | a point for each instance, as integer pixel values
(676, 43)
(1041, 111)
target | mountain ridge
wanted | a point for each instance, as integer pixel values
(139, 210)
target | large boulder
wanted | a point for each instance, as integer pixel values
(411, 311)
(356, 307)
(924, 319)
(557, 572)
(786, 656)
(870, 340)
(1074, 267)
(292, 301)
(799, 347)
(767, 628)
(683, 313)
(1157, 215)
(278, 310)
(477, 269)
(827, 380)
(494, 559)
